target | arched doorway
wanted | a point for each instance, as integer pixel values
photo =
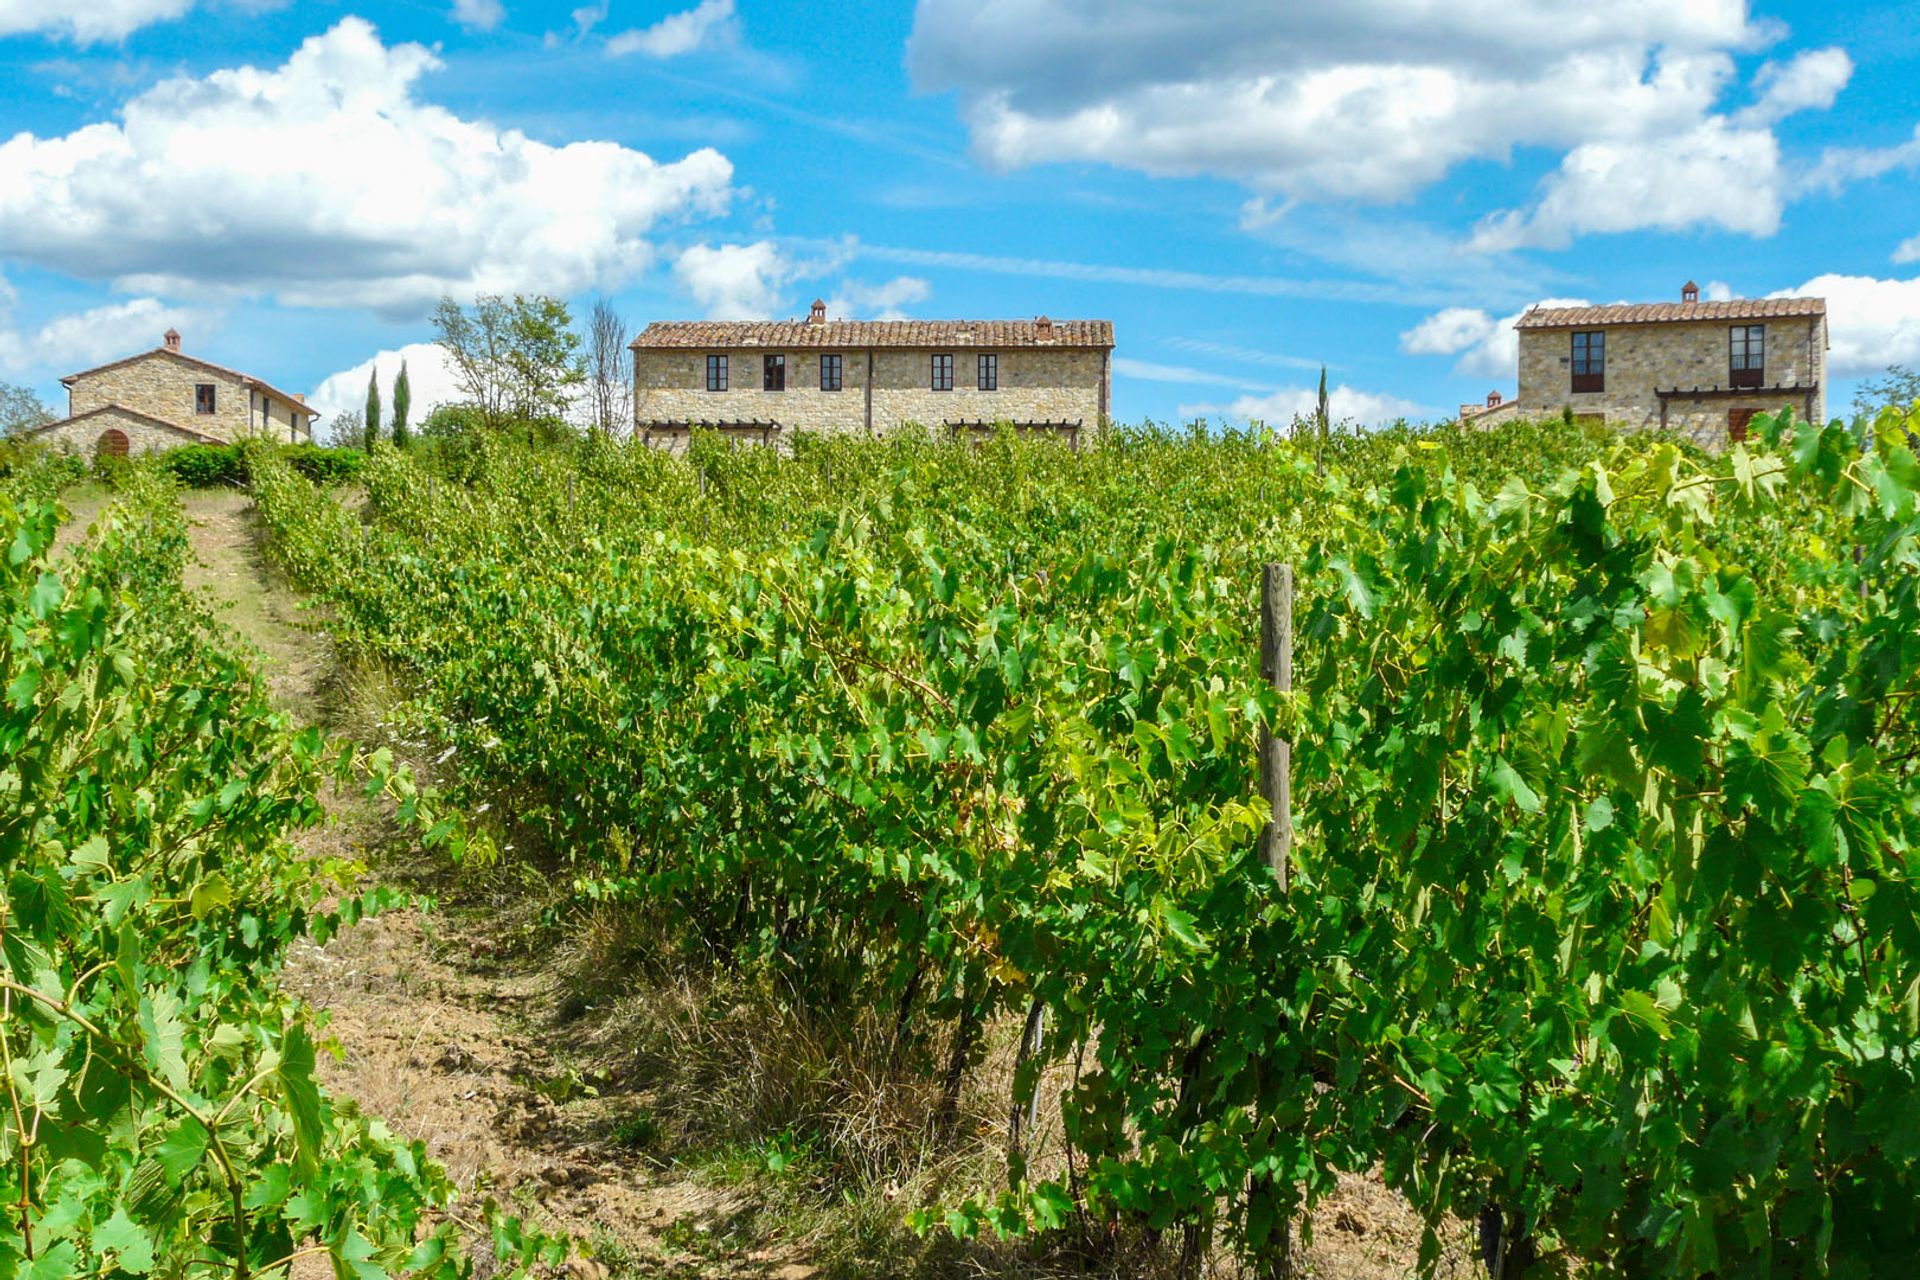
(112, 443)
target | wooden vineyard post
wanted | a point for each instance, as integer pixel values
(1276, 841)
(1276, 753)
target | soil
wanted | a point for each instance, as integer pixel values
(451, 1040)
(436, 1035)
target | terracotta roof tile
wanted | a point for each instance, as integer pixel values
(778, 335)
(1670, 312)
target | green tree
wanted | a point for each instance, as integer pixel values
(1899, 389)
(402, 402)
(518, 361)
(21, 409)
(373, 406)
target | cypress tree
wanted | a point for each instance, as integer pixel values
(1321, 417)
(373, 407)
(402, 402)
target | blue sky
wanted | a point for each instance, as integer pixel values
(1246, 189)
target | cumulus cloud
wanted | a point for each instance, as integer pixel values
(86, 21)
(885, 301)
(479, 15)
(1809, 82)
(1284, 404)
(1871, 323)
(1487, 347)
(83, 339)
(1370, 99)
(1378, 99)
(735, 281)
(712, 22)
(327, 181)
(430, 379)
(1715, 174)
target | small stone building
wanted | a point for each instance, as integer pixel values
(1703, 369)
(765, 381)
(164, 398)
(1496, 410)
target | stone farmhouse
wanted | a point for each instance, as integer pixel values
(1703, 369)
(164, 398)
(765, 381)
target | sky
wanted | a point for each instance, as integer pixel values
(1248, 189)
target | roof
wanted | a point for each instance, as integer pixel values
(298, 405)
(791, 334)
(1670, 312)
(123, 411)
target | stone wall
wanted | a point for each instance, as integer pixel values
(1035, 385)
(163, 387)
(83, 436)
(1641, 357)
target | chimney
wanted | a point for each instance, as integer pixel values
(1043, 329)
(1690, 292)
(819, 313)
(1493, 399)
(172, 339)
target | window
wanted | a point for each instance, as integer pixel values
(203, 397)
(716, 373)
(989, 373)
(1739, 421)
(1747, 355)
(943, 373)
(773, 373)
(829, 373)
(1590, 361)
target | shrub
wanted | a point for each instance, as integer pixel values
(207, 466)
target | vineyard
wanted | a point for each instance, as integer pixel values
(1598, 928)
(161, 1113)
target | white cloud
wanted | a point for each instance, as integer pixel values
(735, 281)
(1378, 99)
(70, 343)
(478, 15)
(430, 381)
(1871, 323)
(1841, 165)
(1371, 98)
(86, 21)
(1487, 347)
(1810, 82)
(1283, 405)
(711, 23)
(327, 181)
(1448, 332)
(1712, 175)
(885, 301)
(1717, 291)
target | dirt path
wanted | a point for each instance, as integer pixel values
(437, 1035)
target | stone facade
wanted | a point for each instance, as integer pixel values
(1058, 384)
(1669, 366)
(85, 433)
(200, 400)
